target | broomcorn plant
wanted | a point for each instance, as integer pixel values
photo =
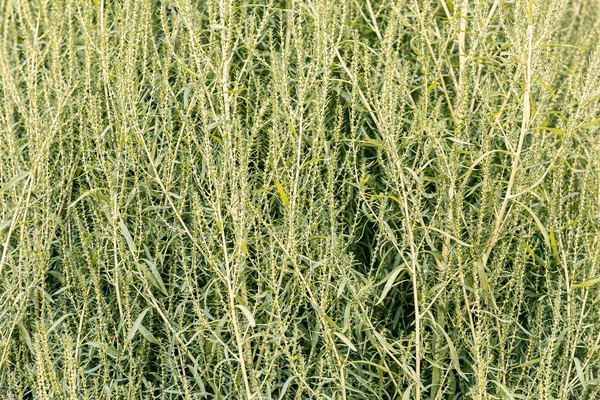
(300, 199)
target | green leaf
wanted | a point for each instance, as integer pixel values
(4, 225)
(585, 284)
(25, 337)
(248, 315)
(541, 227)
(450, 236)
(311, 161)
(282, 194)
(8, 185)
(285, 386)
(85, 194)
(382, 340)
(527, 363)
(553, 130)
(147, 334)
(128, 237)
(553, 244)
(153, 275)
(57, 323)
(509, 394)
(579, 370)
(485, 284)
(591, 123)
(111, 351)
(390, 280)
(136, 325)
(453, 354)
(407, 392)
(346, 341)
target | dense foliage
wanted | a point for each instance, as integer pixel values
(299, 199)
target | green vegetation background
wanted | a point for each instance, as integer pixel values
(299, 199)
